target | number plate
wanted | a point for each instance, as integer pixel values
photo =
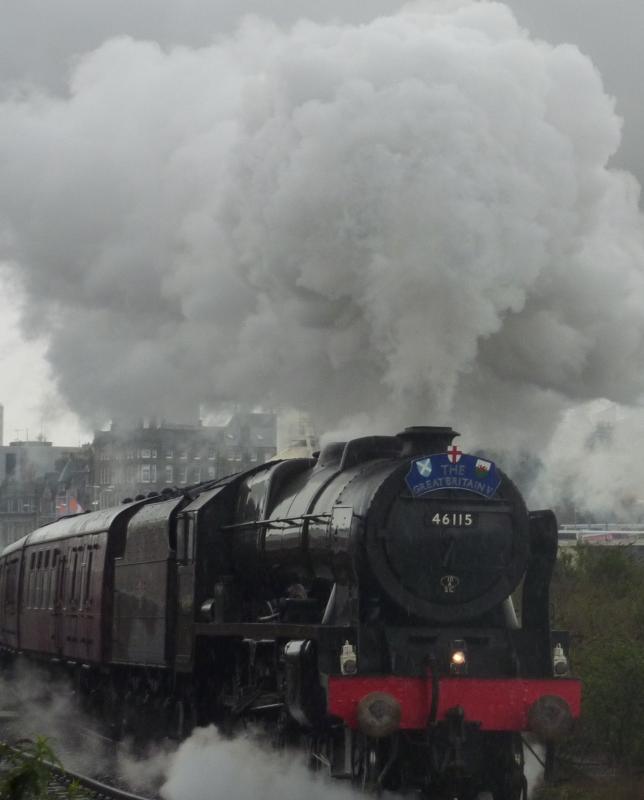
(453, 519)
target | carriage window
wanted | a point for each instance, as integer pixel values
(31, 584)
(60, 582)
(88, 578)
(72, 591)
(53, 577)
(181, 541)
(46, 595)
(33, 581)
(40, 579)
(81, 578)
(10, 585)
(29, 580)
(190, 553)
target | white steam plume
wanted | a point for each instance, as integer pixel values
(48, 707)
(51, 708)
(411, 220)
(209, 767)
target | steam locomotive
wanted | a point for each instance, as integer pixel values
(360, 603)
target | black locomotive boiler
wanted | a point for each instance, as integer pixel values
(360, 603)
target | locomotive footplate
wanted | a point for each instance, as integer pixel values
(276, 630)
(495, 704)
(328, 638)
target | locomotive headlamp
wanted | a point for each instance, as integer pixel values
(378, 715)
(560, 665)
(348, 659)
(458, 657)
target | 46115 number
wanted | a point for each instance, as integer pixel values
(453, 519)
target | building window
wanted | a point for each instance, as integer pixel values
(211, 473)
(146, 453)
(153, 473)
(145, 473)
(183, 474)
(106, 499)
(183, 454)
(169, 473)
(212, 454)
(169, 453)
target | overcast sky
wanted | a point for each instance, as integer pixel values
(41, 42)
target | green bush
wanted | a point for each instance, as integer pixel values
(25, 771)
(613, 671)
(599, 597)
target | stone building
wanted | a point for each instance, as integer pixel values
(152, 456)
(38, 483)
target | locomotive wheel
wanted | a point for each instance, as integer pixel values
(182, 719)
(367, 765)
(370, 769)
(512, 783)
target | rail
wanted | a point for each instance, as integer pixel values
(99, 790)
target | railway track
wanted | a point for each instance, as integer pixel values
(62, 778)
(93, 789)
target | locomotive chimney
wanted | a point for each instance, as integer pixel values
(426, 439)
(331, 454)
